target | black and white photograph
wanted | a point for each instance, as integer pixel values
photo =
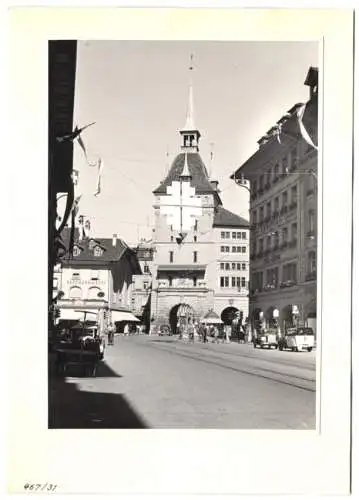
(183, 275)
(186, 221)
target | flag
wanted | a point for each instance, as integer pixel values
(98, 185)
(81, 228)
(303, 130)
(87, 228)
(75, 206)
(83, 147)
(73, 135)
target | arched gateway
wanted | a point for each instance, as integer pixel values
(228, 315)
(180, 315)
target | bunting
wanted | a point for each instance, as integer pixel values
(99, 174)
(83, 147)
(303, 130)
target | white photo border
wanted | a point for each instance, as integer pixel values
(105, 461)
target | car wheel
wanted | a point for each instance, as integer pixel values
(310, 349)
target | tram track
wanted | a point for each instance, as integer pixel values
(294, 380)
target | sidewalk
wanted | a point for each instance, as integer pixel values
(71, 408)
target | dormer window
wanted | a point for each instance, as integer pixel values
(97, 251)
(76, 251)
(92, 244)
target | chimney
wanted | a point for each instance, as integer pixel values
(214, 184)
(114, 240)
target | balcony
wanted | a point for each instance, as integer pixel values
(182, 284)
(288, 283)
(312, 276)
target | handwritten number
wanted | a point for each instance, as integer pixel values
(39, 486)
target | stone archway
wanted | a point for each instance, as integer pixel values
(272, 316)
(257, 319)
(229, 314)
(287, 316)
(180, 315)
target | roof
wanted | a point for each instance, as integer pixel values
(199, 175)
(110, 254)
(211, 314)
(312, 77)
(290, 135)
(225, 218)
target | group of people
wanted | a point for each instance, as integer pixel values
(199, 331)
(127, 330)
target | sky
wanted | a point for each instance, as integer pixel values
(137, 93)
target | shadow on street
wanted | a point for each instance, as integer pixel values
(72, 408)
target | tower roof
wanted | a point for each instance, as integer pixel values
(197, 171)
(185, 171)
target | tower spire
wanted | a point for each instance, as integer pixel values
(190, 109)
(189, 133)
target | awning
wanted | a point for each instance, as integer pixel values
(71, 314)
(78, 314)
(123, 316)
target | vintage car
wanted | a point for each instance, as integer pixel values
(266, 338)
(297, 339)
(80, 346)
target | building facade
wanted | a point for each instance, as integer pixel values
(283, 216)
(142, 283)
(98, 278)
(205, 267)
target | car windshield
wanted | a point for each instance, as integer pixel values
(300, 331)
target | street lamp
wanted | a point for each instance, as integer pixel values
(242, 182)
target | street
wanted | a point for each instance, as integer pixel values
(161, 382)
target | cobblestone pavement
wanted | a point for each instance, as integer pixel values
(161, 382)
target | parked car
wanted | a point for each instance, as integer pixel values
(164, 330)
(297, 339)
(266, 338)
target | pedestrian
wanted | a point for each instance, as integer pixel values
(110, 334)
(216, 333)
(205, 334)
(126, 330)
